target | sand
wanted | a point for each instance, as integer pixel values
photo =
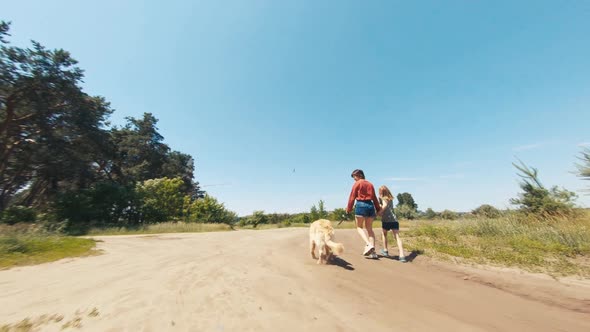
(267, 281)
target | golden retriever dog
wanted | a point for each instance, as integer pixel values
(321, 235)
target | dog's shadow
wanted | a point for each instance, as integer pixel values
(342, 263)
(409, 258)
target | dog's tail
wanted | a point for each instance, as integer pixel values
(337, 248)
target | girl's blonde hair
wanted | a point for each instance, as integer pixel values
(384, 192)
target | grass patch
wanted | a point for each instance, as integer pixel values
(166, 227)
(26, 249)
(550, 246)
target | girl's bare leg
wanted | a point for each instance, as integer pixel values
(384, 238)
(399, 243)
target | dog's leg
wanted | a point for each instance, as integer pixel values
(312, 248)
(330, 256)
(322, 259)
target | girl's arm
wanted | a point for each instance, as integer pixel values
(386, 203)
(376, 202)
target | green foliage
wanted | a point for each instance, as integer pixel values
(323, 214)
(51, 132)
(405, 212)
(56, 151)
(318, 212)
(536, 199)
(16, 214)
(4, 27)
(314, 213)
(408, 200)
(406, 206)
(584, 168)
(104, 203)
(276, 218)
(140, 154)
(430, 214)
(340, 214)
(299, 218)
(257, 218)
(162, 199)
(487, 211)
(449, 215)
(209, 210)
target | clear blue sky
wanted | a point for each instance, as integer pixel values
(436, 98)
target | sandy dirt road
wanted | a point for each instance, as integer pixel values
(266, 281)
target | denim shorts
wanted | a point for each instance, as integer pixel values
(364, 209)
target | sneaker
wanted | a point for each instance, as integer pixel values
(374, 255)
(384, 253)
(402, 259)
(368, 250)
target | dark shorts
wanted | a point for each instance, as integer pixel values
(364, 209)
(391, 225)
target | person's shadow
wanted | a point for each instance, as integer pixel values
(342, 263)
(409, 258)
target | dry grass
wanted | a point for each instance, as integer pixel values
(167, 227)
(556, 246)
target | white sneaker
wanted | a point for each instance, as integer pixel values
(373, 255)
(368, 249)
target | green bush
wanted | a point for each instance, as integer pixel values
(340, 214)
(257, 218)
(430, 214)
(209, 210)
(15, 214)
(162, 199)
(537, 200)
(449, 215)
(300, 218)
(105, 203)
(487, 211)
(406, 212)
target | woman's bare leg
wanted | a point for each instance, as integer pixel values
(369, 227)
(360, 221)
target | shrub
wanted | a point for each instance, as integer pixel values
(257, 218)
(449, 215)
(405, 212)
(536, 199)
(430, 214)
(487, 211)
(162, 199)
(209, 210)
(15, 214)
(340, 214)
(103, 204)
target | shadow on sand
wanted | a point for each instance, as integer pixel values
(342, 263)
(409, 258)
